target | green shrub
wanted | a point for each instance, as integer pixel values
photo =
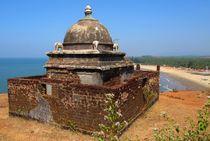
(113, 126)
(71, 125)
(195, 131)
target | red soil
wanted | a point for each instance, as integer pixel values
(177, 105)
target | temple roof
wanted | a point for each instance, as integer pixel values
(87, 30)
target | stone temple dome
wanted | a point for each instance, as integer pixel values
(87, 30)
(81, 74)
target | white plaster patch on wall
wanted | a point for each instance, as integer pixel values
(42, 111)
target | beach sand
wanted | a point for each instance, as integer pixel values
(177, 105)
(200, 78)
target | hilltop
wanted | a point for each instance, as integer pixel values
(178, 105)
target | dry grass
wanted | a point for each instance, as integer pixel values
(178, 105)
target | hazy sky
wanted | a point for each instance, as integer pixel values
(29, 28)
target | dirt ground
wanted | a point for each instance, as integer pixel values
(177, 105)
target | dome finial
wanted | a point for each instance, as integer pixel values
(88, 10)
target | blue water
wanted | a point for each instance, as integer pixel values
(10, 68)
(171, 83)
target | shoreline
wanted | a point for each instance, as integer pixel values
(193, 85)
(192, 79)
(185, 76)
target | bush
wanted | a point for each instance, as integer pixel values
(195, 131)
(113, 126)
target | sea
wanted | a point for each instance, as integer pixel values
(18, 67)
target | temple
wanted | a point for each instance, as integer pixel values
(79, 73)
(88, 54)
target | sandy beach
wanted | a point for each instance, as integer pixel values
(200, 78)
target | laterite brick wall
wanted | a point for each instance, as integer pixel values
(76, 105)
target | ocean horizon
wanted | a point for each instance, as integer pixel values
(19, 67)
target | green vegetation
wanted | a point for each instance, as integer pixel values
(195, 131)
(71, 125)
(198, 130)
(113, 126)
(188, 62)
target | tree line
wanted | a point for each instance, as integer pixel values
(188, 62)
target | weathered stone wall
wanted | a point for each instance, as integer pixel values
(121, 73)
(138, 94)
(87, 59)
(69, 105)
(22, 96)
(63, 74)
(91, 78)
(87, 46)
(80, 106)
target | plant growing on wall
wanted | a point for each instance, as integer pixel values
(71, 125)
(148, 92)
(113, 126)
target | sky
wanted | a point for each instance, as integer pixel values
(29, 28)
